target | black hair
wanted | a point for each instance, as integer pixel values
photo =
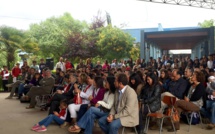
(99, 82)
(91, 75)
(137, 79)
(153, 77)
(66, 76)
(110, 80)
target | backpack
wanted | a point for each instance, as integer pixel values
(195, 119)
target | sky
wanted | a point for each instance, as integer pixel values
(132, 13)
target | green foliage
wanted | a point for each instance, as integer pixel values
(207, 23)
(67, 37)
(113, 42)
(135, 51)
(12, 39)
(52, 34)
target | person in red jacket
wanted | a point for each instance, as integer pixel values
(5, 76)
(16, 71)
(68, 64)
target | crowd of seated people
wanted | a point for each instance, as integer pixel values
(122, 93)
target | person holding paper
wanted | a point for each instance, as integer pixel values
(5, 75)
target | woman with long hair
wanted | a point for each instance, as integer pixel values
(136, 83)
(164, 79)
(101, 109)
(150, 97)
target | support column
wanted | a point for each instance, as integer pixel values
(143, 45)
(211, 41)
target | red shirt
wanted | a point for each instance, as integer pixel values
(16, 71)
(68, 65)
(3, 72)
(62, 113)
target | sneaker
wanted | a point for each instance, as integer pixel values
(35, 127)
(41, 129)
(9, 97)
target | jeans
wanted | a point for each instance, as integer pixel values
(109, 128)
(82, 111)
(49, 119)
(210, 107)
(21, 88)
(87, 121)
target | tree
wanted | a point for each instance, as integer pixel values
(135, 51)
(52, 34)
(83, 44)
(113, 42)
(12, 39)
(207, 23)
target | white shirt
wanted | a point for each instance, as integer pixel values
(210, 64)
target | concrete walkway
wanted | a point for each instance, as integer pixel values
(15, 119)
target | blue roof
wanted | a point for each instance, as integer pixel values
(136, 32)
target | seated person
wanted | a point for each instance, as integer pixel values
(210, 102)
(23, 89)
(150, 98)
(62, 94)
(193, 101)
(59, 81)
(96, 93)
(46, 85)
(57, 117)
(164, 79)
(101, 109)
(16, 84)
(125, 108)
(176, 87)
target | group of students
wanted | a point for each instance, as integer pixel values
(123, 96)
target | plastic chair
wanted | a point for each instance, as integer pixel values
(168, 100)
(123, 130)
(191, 118)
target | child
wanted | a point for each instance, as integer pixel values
(59, 118)
(5, 75)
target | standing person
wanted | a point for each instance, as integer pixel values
(16, 72)
(57, 117)
(35, 66)
(125, 108)
(5, 75)
(61, 65)
(25, 65)
(106, 66)
(42, 65)
(101, 109)
(98, 65)
(68, 64)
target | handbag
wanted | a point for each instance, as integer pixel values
(77, 99)
(174, 113)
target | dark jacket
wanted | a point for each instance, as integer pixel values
(198, 93)
(178, 88)
(152, 97)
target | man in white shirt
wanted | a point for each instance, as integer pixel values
(61, 65)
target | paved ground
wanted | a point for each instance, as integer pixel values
(15, 119)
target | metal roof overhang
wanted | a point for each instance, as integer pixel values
(177, 39)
